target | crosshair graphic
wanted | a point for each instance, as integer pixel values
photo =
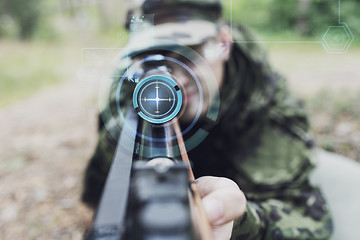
(147, 103)
(157, 99)
(130, 76)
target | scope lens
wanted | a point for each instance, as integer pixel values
(157, 99)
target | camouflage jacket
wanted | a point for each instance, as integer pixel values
(262, 142)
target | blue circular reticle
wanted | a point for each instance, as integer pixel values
(157, 99)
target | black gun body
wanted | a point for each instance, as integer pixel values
(146, 196)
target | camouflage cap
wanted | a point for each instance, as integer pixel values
(185, 22)
(178, 10)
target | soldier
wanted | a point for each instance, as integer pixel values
(259, 144)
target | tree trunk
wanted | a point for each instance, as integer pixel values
(302, 26)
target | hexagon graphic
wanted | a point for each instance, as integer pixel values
(337, 39)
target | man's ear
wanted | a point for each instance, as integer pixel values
(226, 40)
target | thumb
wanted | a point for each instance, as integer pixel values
(222, 198)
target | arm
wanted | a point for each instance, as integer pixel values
(281, 202)
(299, 213)
(295, 214)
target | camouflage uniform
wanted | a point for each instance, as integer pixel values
(261, 141)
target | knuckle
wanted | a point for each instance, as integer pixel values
(228, 183)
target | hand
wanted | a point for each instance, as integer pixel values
(223, 202)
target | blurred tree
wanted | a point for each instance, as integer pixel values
(112, 13)
(283, 15)
(309, 18)
(25, 13)
(302, 26)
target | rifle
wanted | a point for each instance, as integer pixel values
(150, 191)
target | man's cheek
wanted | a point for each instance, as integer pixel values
(192, 108)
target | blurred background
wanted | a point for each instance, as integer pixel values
(49, 50)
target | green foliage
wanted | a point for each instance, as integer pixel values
(8, 27)
(27, 67)
(306, 19)
(25, 13)
(282, 16)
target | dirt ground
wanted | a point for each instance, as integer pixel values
(46, 141)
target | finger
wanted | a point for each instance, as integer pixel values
(222, 198)
(209, 184)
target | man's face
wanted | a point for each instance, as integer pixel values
(200, 74)
(209, 68)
